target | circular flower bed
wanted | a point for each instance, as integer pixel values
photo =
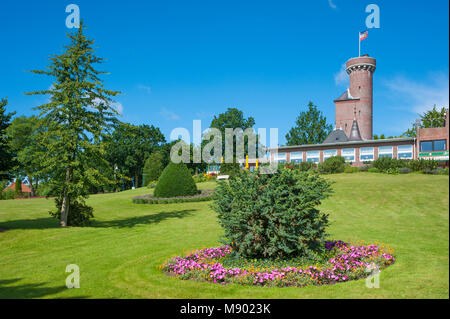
(347, 262)
(204, 195)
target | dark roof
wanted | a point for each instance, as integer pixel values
(355, 135)
(335, 137)
(346, 96)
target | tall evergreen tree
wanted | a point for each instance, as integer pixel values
(310, 127)
(78, 115)
(6, 156)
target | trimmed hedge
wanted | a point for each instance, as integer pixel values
(173, 200)
(174, 181)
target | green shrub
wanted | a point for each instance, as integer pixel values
(151, 184)
(332, 165)
(199, 178)
(8, 194)
(404, 170)
(79, 213)
(421, 164)
(383, 164)
(435, 171)
(373, 170)
(273, 216)
(364, 168)
(153, 167)
(351, 169)
(231, 169)
(175, 180)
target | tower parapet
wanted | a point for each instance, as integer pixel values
(359, 96)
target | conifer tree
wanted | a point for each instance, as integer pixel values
(6, 156)
(78, 115)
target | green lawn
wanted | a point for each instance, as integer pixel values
(119, 254)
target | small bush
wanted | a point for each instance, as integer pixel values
(373, 170)
(151, 184)
(351, 169)
(404, 170)
(383, 164)
(332, 165)
(435, 171)
(273, 216)
(364, 168)
(199, 178)
(175, 181)
(421, 164)
(8, 194)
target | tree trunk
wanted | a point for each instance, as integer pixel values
(30, 180)
(65, 204)
(36, 184)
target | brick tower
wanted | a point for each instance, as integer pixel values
(358, 97)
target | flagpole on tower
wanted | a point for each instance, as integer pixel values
(359, 44)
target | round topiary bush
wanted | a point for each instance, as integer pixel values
(175, 180)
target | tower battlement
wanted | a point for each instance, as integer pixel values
(358, 99)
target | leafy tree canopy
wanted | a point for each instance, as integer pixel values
(130, 145)
(310, 127)
(429, 119)
(233, 118)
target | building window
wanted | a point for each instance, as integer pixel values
(404, 151)
(296, 157)
(385, 151)
(280, 157)
(313, 156)
(348, 154)
(430, 146)
(366, 154)
(329, 153)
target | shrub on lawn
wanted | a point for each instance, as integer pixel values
(435, 171)
(373, 170)
(421, 164)
(383, 164)
(332, 165)
(404, 170)
(351, 169)
(273, 216)
(175, 180)
(364, 168)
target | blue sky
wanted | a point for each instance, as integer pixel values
(176, 61)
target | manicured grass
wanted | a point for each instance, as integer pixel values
(119, 254)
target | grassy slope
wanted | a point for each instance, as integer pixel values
(119, 254)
